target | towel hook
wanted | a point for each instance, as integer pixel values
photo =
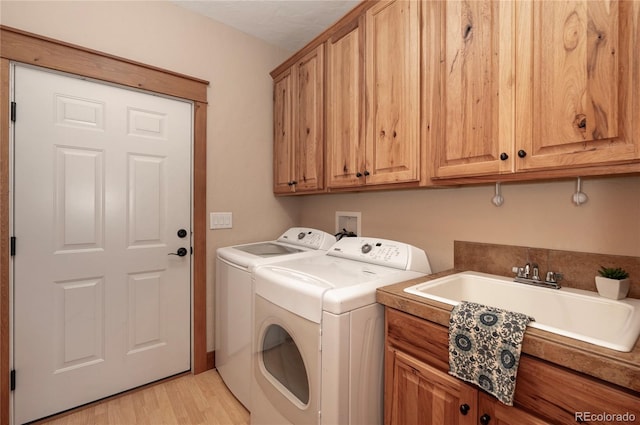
(498, 199)
(579, 197)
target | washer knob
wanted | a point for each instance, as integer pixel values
(366, 248)
(301, 235)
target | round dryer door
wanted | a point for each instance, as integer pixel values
(282, 359)
(286, 366)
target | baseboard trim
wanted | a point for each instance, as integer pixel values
(211, 359)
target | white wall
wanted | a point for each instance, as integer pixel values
(239, 116)
(533, 214)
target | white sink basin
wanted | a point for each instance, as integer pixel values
(583, 315)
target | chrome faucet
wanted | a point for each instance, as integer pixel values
(530, 274)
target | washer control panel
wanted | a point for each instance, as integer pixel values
(309, 238)
(384, 252)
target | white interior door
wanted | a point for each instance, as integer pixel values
(101, 187)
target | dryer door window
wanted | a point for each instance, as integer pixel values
(282, 359)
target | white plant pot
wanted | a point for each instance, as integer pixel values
(612, 288)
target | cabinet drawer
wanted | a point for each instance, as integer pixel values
(422, 339)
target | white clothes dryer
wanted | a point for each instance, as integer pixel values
(233, 299)
(319, 333)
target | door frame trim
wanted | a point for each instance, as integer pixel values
(29, 48)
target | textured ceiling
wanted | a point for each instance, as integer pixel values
(289, 24)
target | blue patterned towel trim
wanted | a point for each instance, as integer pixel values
(484, 347)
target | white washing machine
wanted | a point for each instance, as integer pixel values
(319, 333)
(233, 299)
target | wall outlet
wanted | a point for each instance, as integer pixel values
(349, 221)
(221, 220)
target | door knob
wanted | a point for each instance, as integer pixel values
(522, 153)
(182, 233)
(485, 419)
(181, 252)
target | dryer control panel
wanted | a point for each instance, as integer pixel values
(307, 237)
(383, 252)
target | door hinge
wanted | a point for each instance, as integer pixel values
(13, 111)
(12, 378)
(12, 244)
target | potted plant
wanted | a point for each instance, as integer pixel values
(613, 282)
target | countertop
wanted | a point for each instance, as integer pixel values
(612, 366)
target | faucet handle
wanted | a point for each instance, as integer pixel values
(553, 277)
(519, 271)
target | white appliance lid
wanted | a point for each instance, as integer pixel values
(308, 286)
(296, 241)
(267, 249)
(344, 279)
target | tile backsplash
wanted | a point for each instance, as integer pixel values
(578, 268)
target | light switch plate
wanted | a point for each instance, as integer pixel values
(221, 220)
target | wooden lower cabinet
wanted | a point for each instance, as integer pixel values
(492, 412)
(419, 390)
(420, 394)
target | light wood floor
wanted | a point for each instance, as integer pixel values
(186, 400)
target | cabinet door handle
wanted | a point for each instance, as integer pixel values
(366, 173)
(485, 419)
(522, 153)
(464, 408)
(504, 156)
(358, 174)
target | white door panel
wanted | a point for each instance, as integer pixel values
(102, 185)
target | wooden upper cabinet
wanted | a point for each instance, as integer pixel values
(299, 126)
(373, 97)
(469, 73)
(453, 90)
(392, 83)
(282, 132)
(531, 86)
(577, 74)
(309, 143)
(345, 107)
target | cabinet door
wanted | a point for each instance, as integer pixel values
(345, 111)
(283, 133)
(422, 395)
(393, 92)
(493, 412)
(308, 156)
(577, 83)
(471, 74)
